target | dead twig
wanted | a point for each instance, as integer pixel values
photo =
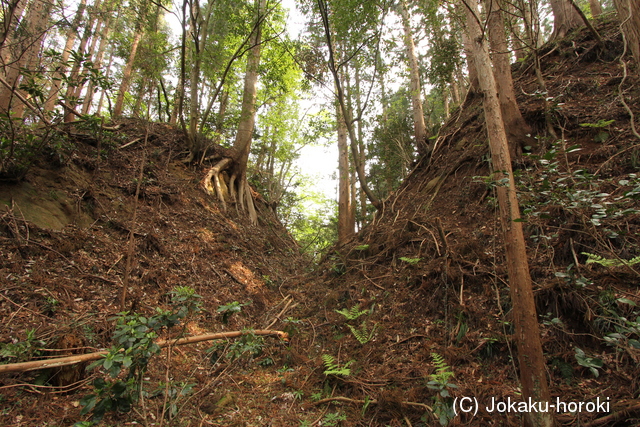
(362, 402)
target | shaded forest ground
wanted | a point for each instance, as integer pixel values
(422, 287)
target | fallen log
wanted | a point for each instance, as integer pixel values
(79, 358)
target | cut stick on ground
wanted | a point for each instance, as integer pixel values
(79, 358)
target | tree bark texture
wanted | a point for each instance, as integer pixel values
(346, 225)
(10, 22)
(629, 15)
(527, 334)
(126, 74)
(596, 8)
(420, 129)
(72, 34)
(26, 55)
(517, 129)
(565, 18)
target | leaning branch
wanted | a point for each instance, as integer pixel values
(25, 102)
(80, 358)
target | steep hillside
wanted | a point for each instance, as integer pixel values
(414, 309)
(429, 277)
(65, 236)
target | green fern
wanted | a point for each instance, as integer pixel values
(443, 371)
(606, 262)
(353, 313)
(363, 335)
(410, 261)
(333, 368)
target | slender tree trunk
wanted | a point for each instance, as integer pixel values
(178, 95)
(362, 155)
(629, 15)
(345, 227)
(98, 64)
(75, 86)
(199, 34)
(340, 95)
(126, 74)
(596, 8)
(72, 34)
(565, 18)
(103, 92)
(527, 335)
(420, 129)
(517, 128)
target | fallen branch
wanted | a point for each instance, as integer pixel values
(623, 414)
(80, 358)
(362, 402)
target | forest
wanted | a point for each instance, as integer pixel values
(320, 213)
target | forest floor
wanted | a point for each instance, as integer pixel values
(413, 308)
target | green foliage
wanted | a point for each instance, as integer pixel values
(230, 309)
(333, 368)
(22, 145)
(598, 125)
(21, 351)
(597, 259)
(353, 313)
(410, 261)
(578, 192)
(128, 359)
(565, 369)
(247, 344)
(570, 278)
(333, 419)
(588, 362)
(391, 150)
(443, 403)
(363, 335)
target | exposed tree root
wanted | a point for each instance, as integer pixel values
(236, 190)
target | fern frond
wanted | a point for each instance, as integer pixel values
(353, 313)
(606, 262)
(363, 335)
(332, 368)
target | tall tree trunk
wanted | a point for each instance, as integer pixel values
(103, 92)
(72, 94)
(88, 99)
(629, 15)
(565, 18)
(596, 8)
(340, 95)
(126, 74)
(244, 136)
(471, 65)
(362, 155)
(199, 34)
(420, 129)
(517, 129)
(178, 95)
(527, 334)
(8, 28)
(72, 34)
(28, 56)
(345, 227)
